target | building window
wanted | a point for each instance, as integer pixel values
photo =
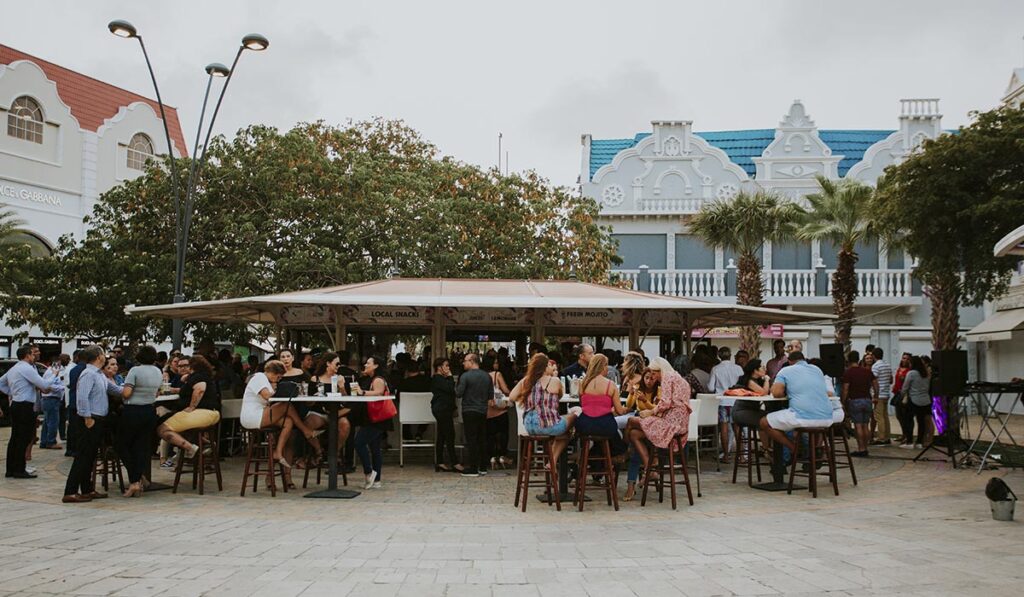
(25, 120)
(140, 150)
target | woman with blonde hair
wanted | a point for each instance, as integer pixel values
(599, 399)
(539, 393)
(669, 417)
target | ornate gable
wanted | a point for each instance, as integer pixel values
(797, 154)
(919, 120)
(670, 171)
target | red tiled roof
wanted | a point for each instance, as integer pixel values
(93, 101)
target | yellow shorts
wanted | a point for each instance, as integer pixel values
(197, 419)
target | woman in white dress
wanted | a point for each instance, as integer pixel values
(259, 413)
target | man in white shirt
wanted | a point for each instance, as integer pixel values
(883, 373)
(724, 375)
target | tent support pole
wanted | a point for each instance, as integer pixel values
(687, 333)
(339, 332)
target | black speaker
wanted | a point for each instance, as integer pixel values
(949, 372)
(833, 361)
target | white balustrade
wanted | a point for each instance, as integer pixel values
(789, 282)
(778, 283)
(681, 206)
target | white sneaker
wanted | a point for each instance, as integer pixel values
(190, 452)
(378, 485)
(30, 470)
(370, 478)
(918, 446)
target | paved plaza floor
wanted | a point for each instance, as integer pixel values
(907, 529)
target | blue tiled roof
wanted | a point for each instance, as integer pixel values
(743, 146)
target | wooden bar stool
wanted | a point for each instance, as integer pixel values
(817, 437)
(602, 455)
(261, 452)
(201, 464)
(107, 464)
(667, 466)
(841, 450)
(748, 448)
(531, 463)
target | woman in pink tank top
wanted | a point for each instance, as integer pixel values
(600, 401)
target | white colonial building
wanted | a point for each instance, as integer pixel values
(66, 139)
(649, 185)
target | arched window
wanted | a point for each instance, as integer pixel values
(36, 245)
(140, 149)
(25, 120)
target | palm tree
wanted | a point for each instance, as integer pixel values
(10, 228)
(10, 225)
(742, 225)
(840, 213)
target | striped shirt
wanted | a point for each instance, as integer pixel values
(883, 372)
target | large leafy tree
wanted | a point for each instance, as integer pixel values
(742, 225)
(311, 207)
(948, 204)
(840, 213)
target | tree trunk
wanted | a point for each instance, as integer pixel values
(750, 291)
(944, 294)
(844, 295)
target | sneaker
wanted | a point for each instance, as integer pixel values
(370, 479)
(483, 473)
(907, 446)
(918, 446)
(30, 470)
(378, 485)
(169, 463)
(190, 452)
(469, 472)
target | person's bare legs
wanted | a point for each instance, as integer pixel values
(724, 439)
(863, 436)
(344, 429)
(639, 440)
(776, 435)
(173, 438)
(282, 438)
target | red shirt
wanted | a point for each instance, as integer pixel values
(897, 382)
(860, 380)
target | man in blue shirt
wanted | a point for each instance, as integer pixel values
(23, 384)
(75, 426)
(809, 404)
(92, 406)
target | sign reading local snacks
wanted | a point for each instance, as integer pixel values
(387, 315)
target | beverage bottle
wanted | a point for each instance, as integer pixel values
(334, 384)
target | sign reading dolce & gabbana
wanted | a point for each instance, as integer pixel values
(9, 191)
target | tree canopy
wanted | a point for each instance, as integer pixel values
(949, 203)
(314, 206)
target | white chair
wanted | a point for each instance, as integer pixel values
(709, 418)
(692, 434)
(413, 409)
(231, 410)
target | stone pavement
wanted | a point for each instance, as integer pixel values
(907, 529)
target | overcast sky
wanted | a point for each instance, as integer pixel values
(545, 72)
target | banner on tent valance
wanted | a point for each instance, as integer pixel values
(307, 315)
(589, 317)
(409, 316)
(495, 316)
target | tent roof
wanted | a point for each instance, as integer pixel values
(1011, 244)
(477, 294)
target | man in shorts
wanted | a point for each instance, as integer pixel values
(809, 404)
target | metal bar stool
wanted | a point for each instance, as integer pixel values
(531, 463)
(748, 449)
(606, 470)
(321, 463)
(202, 463)
(261, 452)
(655, 474)
(817, 437)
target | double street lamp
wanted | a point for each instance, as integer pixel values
(183, 210)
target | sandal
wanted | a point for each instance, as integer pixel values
(630, 493)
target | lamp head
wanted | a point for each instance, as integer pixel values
(255, 42)
(216, 69)
(122, 28)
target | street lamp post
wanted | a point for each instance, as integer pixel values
(183, 212)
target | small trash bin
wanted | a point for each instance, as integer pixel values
(1001, 498)
(1003, 510)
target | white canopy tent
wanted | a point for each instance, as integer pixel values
(434, 306)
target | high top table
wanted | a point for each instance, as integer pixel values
(333, 402)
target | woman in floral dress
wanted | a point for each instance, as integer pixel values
(669, 417)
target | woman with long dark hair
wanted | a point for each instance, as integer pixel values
(370, 435)
(919, 402)
(497, 416)
(316, 418)
(443, 407)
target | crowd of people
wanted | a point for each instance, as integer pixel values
(93, 398)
